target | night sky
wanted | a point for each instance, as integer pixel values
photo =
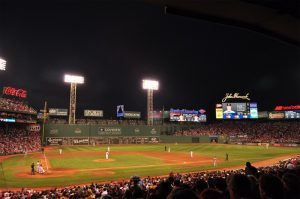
(115, 46)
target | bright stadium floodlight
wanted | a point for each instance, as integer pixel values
(150, 86)
(2, 64)
(74, 80)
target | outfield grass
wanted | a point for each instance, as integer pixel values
(138, 164)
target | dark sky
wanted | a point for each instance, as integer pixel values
(116, 45)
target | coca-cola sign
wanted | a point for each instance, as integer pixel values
(15, 92)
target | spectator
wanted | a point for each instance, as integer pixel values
(250, 170)
(271, 187)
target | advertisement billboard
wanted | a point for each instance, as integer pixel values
(58, 112)
(16, 92)
(183, 115)
(287, 108)
(120, 111)
(160, 114)
(54, 141)
(276, 115)
(132, 114)
(295, 114)
(93, 113)
(263, 114)
(241, 110)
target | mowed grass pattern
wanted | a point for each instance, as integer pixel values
(136, 164)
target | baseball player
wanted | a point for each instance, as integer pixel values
(215, 161)
(106, 155)
(191, 154)
(108, 149)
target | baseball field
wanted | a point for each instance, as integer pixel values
(86, 164)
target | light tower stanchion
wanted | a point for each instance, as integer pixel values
(73, 80)
(150, 107)
(150, 86)
(72, 109)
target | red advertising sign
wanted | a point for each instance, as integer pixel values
(15, 92)
(284, 108)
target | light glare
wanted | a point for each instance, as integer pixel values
(150, 84)
(2, 64)
(74, 79)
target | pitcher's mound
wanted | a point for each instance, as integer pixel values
(104, 160)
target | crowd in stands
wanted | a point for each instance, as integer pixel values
(19, 140)
(19, 116)
(15, 105)
(246, 131)
(279, 181)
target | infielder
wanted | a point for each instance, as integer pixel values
(169, 149)
(215, 161)
(60, 151)
(108, 149)
(191, 154)
(267, 146)
(106, 155)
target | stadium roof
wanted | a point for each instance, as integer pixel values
(276, 18)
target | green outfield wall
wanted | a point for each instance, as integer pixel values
(64, 134)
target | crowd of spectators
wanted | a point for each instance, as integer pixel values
(16, 115)
(247, 131)
(15, 105)
(279, 181)
(19, 140)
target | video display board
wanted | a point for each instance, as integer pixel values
(241, 110)
(183, 115)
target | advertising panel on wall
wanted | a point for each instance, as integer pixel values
(183, 115)
(34, 127)
(287, 108)
(93, 113)
(58, 112)
(80, 141)
(54, 141)
(161, 114)
(276, 115)
(263, 114)
(293, 114)
(132, 114)
(7, 120)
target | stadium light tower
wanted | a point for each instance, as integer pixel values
(2, 64)
(74, 80)
(150, 86)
